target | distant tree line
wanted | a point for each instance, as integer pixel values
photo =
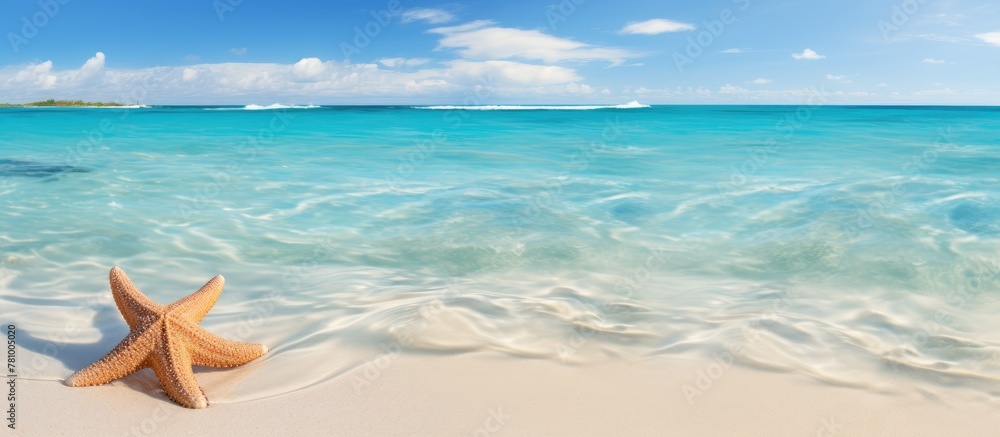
(54, 102)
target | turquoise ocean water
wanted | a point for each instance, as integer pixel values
(857, 245)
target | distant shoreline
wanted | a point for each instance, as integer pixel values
(52, 103)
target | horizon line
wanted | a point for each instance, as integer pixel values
(132, 105)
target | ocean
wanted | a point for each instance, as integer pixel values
(859, 246)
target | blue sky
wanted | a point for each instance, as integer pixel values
(515, 51)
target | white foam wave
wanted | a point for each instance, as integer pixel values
(253, 107)
(630, 105)
(278, 106)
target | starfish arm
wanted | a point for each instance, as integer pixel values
(168, 340)
(126, 358)
(172, 366)
(208, 349)
(196, 305)
(133, 305)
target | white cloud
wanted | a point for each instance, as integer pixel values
(941, 38)
(309, 70)
(760, 81)
(403, 62)
(730, 89)
(192, 58)
(92, 67)
(949, 19)
(933, 61)
(808, 54)
(855, 94)
(882, 85)
(730, 94)
(579, 89)
(470, 26)
(990, 38)
(838, 78)
(36, 75)
(42, 76)
(482, 40)
(319, 81)
(511, 73)
(307, 80)
(937, 92)
(655, 26)
(426, 85)
(736, 50)
(433, 16)
(238, 51)
(645, 94)
(391, 62)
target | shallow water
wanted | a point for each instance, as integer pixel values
(855, 245)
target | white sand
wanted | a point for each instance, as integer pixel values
(472, 394)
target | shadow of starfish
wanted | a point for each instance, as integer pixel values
(73, 355)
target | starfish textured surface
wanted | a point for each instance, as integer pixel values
(167, 339)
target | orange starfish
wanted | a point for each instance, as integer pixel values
(168, 340)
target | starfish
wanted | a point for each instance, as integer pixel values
(168, 340)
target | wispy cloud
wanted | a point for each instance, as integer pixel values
(935, 92)
(735, 50)
(429, 15)
(238, 51)
(483, 40)
(730, 89)
(949, 19)
(838, 78)
(941, 38)
(808, 54)
(403, 62)
(933, 61)
(655, 26)
(760, 81)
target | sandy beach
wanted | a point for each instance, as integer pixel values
(488, 394)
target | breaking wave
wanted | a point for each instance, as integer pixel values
(630, 105)
(260, 107)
